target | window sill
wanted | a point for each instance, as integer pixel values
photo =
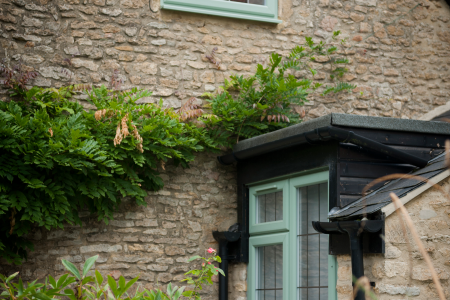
(238, 11)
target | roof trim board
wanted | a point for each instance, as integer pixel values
(390, 208)
(346, 120)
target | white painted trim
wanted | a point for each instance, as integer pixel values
(390, 208)
(435, 112)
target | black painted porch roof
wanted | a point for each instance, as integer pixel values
(378, 199)
(347, 120)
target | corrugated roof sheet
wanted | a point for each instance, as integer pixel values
(401, 187)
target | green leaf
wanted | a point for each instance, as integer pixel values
(11, 277)
(121, 284)
(71, 268)
(41, 296)
(130, 283)
(169, 290)
(52, 281)
(87, 279)
(194, 258)
(187, 293)
(70, 294)
(178, 293)
(88, 264)
(112, 284)
(98, 277)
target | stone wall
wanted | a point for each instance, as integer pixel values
(399, 60)
(399, 56)
(153, 241)
(402, 270)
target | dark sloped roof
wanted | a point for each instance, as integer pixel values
(444, 117)
(345, 120)
(401, 187)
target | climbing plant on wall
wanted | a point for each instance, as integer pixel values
(56, 158)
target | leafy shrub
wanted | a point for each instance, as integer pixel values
(263, 102)
(92, 285)
(56, 158)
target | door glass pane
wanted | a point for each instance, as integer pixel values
(312, 203)
(269, 207)
(269, 284)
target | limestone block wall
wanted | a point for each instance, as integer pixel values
(399, 51)
(401, 271)
(154, 241)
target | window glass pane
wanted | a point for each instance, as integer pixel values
(323, 263)
(303, 260)
(269, 295)
(269, 207)
(312, 247)
(279, 294)
(313, 206)
(269, 283)
(323, 199)
(302, 294)
(302, 204)
(313, 294)
(324, 293)
(313, 260)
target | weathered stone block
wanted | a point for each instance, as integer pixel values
(100, 248)
(173, 250)
(132, 3)
(398, 290)
(147, 223)
(156, 267)
(424, 274)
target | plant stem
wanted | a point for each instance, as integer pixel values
(402, 210)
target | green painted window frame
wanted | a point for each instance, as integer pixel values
(260, 241)
(269, 227)
(264, 13)
(285, 234)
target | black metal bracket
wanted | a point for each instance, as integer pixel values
(226, 240)
(354, 230)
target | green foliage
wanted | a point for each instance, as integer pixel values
(199, 277)
(33, 290)
(86, 287)
(263, 101)
(57, 159)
